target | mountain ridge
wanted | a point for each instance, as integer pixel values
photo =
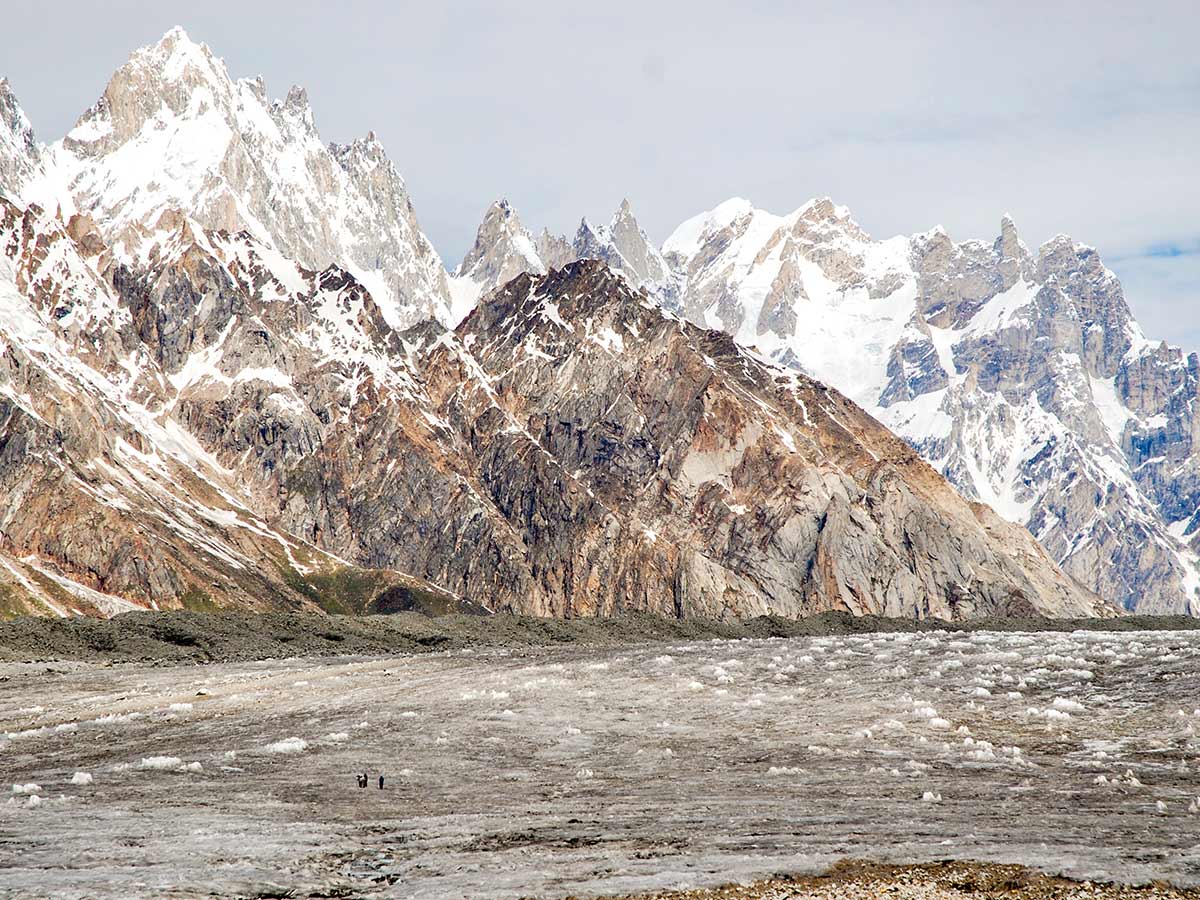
(174, 131)
(1022, 377)
(956, 370)
(505, 462)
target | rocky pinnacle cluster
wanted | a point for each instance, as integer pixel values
(236, 373)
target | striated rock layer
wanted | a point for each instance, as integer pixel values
(109, 498)
(232, 364)
(1021, 376)
(646, 463)
(221, 425)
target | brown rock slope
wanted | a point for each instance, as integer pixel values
(643, 463)
(216, 425)
(106, 502)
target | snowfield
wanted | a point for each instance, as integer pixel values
(585, 771)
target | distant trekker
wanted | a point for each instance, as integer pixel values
(381, 782)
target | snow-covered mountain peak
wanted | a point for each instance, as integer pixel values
(587, 232)
(175, 38)
(1019, 375)
(297, 109)
(1063, 246)
(821, 221)
(175, 52)
(502, 250)
(366, 155)
(173, 130)
(637, 258)
(15, 129)
(175, 73)
(368, 149)
(823, 209)
(734, 217)
(935, 235)
(1078, 269)
(20, 155)
(731, 209)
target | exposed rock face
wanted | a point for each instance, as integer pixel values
(1022, 377)
(222, 385)
(640, 259)
(173, 131)
(504, 249)
(570, 450)
(221, 425)
(645, 463)
(553, 250)
(19, 152)
(109, 503)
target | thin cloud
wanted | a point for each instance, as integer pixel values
(1171, 251)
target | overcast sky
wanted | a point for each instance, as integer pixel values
(1074, 118)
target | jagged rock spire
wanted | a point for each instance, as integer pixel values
(19, 152)
(502, 250)
(554, 250)
(1014, 259)
(231, 160)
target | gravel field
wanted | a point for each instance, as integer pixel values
(178, 636)
(595, 770)
(857, 880)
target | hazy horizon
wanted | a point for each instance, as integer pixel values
(1073, 120)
